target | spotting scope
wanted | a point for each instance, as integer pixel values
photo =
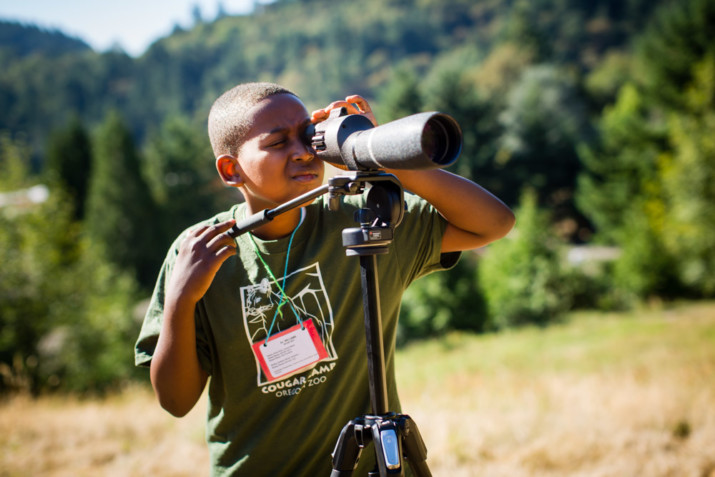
(421, 141)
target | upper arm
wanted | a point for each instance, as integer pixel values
(455, 239)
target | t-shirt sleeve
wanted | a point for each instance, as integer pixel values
(151, 327)
(418, 240)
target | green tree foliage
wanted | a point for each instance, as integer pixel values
(645, 269)
(15, 164)
(543, 122)
(688, 181)
(678, 54)
(621, 195)
(37, 93)
(521, 275)
(65, 316)
(121, 214)
(604, 82)
(181, 172)
(523, 28)
(679, 38)
(443, 302)
(69, 161)
(649, 187)
(401, 96)
(320, 50)
(619, 168)
(450, 89)
(18, 40)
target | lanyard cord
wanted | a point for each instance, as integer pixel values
(281, 288)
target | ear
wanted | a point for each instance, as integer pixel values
(229, 170)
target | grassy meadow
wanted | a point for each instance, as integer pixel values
(622, 394)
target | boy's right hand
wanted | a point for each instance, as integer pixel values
(355, 104)
(201, 254)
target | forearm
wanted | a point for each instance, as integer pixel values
(475, 216)
(176, 375)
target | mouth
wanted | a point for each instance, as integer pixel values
(306, 176)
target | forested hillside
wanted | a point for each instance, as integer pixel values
(321, 49)
(482, 62)
(592, 119)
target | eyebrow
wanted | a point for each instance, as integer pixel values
(281, 129)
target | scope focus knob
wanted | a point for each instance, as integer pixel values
(318, 142)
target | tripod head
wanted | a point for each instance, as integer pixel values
(384, 209)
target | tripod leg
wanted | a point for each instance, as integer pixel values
(348, 449)
(414, 447)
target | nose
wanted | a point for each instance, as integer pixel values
(301, 151)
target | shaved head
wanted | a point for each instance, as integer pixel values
(229, 120)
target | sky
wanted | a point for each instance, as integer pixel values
(131, 24)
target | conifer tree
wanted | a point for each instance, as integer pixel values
(120, 211)
(620, 165)
(543, 122)
(649, 187)
(688, 183)
(65, 313)
(183, 178)
(679, 37)
(69, 161)
(401, 97)
(521, 275)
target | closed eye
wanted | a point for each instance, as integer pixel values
(277, 143)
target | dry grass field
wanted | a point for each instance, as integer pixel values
(601, 395)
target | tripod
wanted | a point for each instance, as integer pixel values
(394, 436)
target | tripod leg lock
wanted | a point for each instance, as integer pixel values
(415, 448)
(388, 447)
(348, 448)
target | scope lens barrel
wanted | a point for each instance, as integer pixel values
(421, 141)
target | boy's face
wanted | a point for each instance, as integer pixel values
(274, 163)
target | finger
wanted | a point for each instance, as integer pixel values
(197, 231)
(221, 240)
(318, 115)
(362, 106)
(355, 98)
(359, 103)
(354, 104)
(324, 112)
(225, 252)
(212, 231)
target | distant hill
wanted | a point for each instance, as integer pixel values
(20, 40)
(321, 49)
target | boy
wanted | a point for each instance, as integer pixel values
(226, 307)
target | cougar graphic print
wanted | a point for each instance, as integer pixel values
(291, 334)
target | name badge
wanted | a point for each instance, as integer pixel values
(290, 351)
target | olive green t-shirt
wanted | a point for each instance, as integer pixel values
(284, 383)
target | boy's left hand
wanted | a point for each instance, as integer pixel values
(355, 104)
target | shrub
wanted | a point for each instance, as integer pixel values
(521, 275)
(443, 301)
